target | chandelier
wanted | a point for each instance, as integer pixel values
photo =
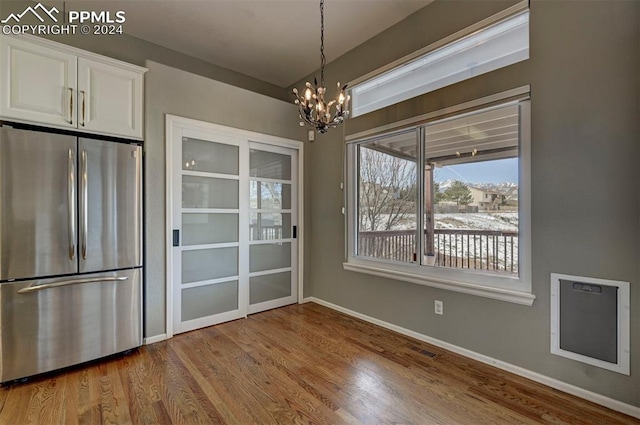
(311, 104)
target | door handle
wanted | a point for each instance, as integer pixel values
(33, 288)
(70, 105)
(71, 204)
(85, 204)
(82, 92)
(295, 232)
(176, 237)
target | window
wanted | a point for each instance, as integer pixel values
(495, 46)
(445, 203)
(387, 199)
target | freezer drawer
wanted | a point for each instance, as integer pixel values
(49, 324)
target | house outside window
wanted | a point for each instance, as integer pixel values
(445, 203)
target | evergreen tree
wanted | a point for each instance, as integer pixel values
(459, 193)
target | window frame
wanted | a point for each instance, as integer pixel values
(521, 8)
(491, 285)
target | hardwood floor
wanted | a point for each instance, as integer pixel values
(298, 364)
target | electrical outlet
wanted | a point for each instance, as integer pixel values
(438, 307)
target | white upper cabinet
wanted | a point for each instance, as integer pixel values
(47, 83)
(38, 83)
(109, 98)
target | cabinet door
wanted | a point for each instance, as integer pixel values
(37, 83)
(109, 99)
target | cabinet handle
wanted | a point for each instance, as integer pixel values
(70, 105)
(83, 106)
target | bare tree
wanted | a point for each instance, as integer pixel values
(387, 190)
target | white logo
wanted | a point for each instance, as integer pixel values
(33, 11)
(79, 22)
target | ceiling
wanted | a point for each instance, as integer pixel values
(274, 41)
(479, 136)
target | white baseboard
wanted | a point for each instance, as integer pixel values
(154, 339)
(612, 404)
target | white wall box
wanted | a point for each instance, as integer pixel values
(590, 321)
(48, 83)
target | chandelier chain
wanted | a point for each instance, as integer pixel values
(322, 58)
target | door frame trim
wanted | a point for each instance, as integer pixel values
(172, 123)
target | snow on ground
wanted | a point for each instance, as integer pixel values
(503, 221)
(486, 252)
(506, 221)
(500, 251)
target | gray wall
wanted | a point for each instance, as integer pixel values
(134, 50)
(584, 73)
(172, 91)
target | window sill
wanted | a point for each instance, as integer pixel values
(508, 295)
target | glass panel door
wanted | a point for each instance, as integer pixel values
(207, 206)
(272, 227)
(232, 206)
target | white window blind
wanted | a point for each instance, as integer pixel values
(493, 47)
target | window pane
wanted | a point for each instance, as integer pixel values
(207, 300)
(200, 155)
(205, 264)
(269, 256)
(269, 287)
(200, 229)
(387, 198)
(471, 191)
(269, 165)
(269, 195)
(205, 192)
(270, 226)
(491, 48)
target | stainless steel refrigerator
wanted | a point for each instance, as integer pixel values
(70, 250)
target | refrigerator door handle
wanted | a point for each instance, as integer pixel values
(85, 204)
(34, 288)
(71, 204)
